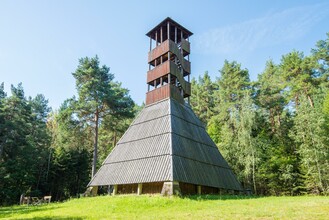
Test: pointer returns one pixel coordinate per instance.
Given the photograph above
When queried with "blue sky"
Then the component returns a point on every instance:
(41, 41)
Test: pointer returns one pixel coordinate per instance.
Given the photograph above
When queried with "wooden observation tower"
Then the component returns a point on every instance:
(169, 63)
(166, 149)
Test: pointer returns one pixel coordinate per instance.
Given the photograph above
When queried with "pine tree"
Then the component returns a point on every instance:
(321, 54)
(70, 154)
(301, 79)
(202, 99)
(269, 96)
(310, 134)
(99, 96)
(2, 120)
(232, 128)
(22, 147)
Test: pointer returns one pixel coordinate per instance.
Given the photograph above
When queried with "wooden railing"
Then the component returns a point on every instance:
(171, 46)
(166, 68)
(163, 92)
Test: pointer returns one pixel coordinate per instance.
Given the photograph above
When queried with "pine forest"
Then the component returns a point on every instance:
(273, 132)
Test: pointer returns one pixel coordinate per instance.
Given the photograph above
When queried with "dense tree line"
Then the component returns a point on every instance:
(45, 152)
(274, 132)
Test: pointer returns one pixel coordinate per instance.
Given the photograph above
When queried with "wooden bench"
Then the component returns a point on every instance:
(47, 199)
(25, 200)
(34, 200)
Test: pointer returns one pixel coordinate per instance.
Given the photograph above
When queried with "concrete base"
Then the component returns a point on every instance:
(139, 189)
(170, 188)
(199, 190)
(115, 190)
(94, 191)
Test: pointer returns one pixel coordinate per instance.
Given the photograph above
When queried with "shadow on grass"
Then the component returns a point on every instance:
(21, 210)
(219, 197)
(7, 212)
(57, 217)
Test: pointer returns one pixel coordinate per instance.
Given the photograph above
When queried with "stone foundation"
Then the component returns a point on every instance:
(170, 188)
(166, 189)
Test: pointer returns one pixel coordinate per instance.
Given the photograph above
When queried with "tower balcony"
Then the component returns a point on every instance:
(166, 68)
(170, 46)
(163, 92)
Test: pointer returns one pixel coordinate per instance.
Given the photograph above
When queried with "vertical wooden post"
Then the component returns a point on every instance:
(150, 43)
(168, 30)
(156, 38)
(176, 35)
(181, 48)
(139, 188)
(199, 189)
(115, 190)
(161, 35)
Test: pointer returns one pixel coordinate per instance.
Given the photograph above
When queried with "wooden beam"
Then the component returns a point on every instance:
(168, 30)
(150, 43)
(161, 35)
(175, 34)
(156, 38)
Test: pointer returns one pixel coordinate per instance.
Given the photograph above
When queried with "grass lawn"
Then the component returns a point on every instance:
(158, 207)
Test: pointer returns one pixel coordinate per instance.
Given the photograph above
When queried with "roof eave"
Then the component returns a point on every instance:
(189, 33)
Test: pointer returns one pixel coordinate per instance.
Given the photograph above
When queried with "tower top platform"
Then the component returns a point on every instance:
(164, 23)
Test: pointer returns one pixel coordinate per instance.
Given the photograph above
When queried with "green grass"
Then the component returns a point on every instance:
(158, 207)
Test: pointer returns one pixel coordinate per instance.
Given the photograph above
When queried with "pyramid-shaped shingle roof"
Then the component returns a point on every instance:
(166, 142)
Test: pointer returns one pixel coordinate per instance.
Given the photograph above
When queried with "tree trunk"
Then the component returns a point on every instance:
(279, 118)
(296, 103)
(1, 150)
(272, 121)
(115, 139)
(317, 165)
(310, 100)
(93, 169)
(253, 173)
(48, 165)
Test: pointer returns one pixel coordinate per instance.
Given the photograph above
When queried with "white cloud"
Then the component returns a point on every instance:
(272, 29)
